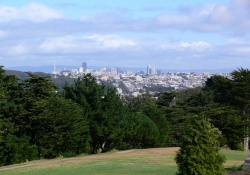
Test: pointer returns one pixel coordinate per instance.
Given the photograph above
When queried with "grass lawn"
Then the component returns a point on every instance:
(157, 161)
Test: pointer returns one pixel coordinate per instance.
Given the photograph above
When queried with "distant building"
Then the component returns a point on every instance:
(159, 72)
(150, 70)
(206, 74)
(120, 71)
(84, 66)
(55, 72)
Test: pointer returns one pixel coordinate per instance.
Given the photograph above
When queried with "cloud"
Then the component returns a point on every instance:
(152, 9)
(40, 34)
(245, 4)
(32, 12)
(231, 18)
(66, 5)
(58, 44)
(198, 46)
(17, 50)
(85, 44)
(111, 41)
(3, 34)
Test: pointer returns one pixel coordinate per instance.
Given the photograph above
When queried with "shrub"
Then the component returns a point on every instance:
(199, 153)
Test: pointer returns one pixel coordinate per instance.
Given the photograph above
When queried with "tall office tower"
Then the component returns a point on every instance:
(84, 66)
(119, 71)
(159, 72)
(108, 69)
(148, 69)
(55, 72)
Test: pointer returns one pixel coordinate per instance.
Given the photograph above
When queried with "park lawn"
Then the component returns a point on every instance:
(157, 161)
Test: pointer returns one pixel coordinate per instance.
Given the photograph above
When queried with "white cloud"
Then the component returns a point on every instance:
(38, 32)
(243, 50)
(17, 50)
(197, 46)
(231, 18)
(3, 34)
(32, 12)
(59, 44)
(173, 20)
(85, 43)
(111, 41)
(241, 4)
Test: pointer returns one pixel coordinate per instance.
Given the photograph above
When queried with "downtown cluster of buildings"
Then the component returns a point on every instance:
(128, 83)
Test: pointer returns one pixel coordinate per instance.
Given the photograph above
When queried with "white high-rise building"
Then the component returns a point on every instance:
(55, 72)
(151, 70)
(84, 66)
(148, 69)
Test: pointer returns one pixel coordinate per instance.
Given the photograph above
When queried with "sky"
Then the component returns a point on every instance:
(166, 34)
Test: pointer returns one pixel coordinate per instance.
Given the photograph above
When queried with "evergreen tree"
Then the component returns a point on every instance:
(65, 128)
(139, 132)
(36, 91)
(103, 109)
(241, 94)
(199, 152)
(14, 148)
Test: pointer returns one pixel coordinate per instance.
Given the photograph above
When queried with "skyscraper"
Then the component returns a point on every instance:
(84, 66)
(148, 69)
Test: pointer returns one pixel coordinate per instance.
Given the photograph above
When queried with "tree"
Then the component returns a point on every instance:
(35, 92)
(199, 152)
(103, 108)
(14, 148)
(241, 91)
(156, 114)
(65, 128)
(228, 120)
(113, 117)
(234, 93)
(139, 132)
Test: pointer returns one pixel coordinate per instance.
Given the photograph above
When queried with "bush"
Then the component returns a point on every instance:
(199, 153)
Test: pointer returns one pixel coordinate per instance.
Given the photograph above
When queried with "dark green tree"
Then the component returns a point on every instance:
(229, 121)
(14, 148)
(103, 109)
(156, 114)
(147, 105)
(36, 90)
(241, 92)
(233, 94)
(139, 132)
(113, 119)
(199, 152)
(65, 128)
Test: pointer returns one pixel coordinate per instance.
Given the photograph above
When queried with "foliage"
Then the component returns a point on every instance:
(37, 121)
(236, 168)
(104, 111)
(199, 152)
(65, 128)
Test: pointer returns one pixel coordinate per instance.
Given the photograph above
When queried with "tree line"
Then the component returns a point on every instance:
(39, 121)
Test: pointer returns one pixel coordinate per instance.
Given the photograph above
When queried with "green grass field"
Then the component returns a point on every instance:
(158, 161)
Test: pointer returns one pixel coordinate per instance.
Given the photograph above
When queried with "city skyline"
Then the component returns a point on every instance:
(166, 34)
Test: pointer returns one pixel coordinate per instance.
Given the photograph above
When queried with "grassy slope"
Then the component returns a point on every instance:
(158, 161)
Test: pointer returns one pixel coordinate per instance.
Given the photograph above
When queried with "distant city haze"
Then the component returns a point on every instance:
(133, 84)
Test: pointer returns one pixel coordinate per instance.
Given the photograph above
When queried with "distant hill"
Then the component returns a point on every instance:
(59, 82)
